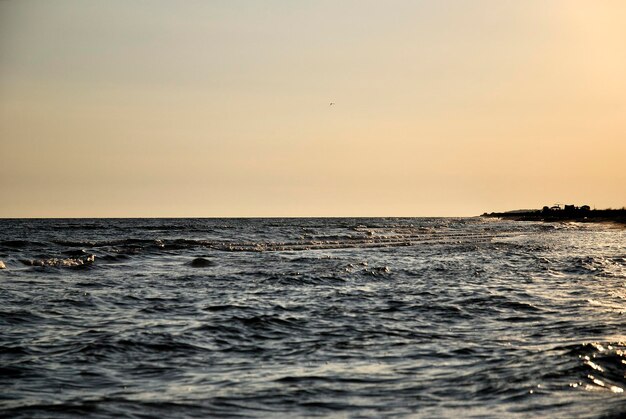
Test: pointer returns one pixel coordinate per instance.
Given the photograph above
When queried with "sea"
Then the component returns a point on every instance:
(311, 317)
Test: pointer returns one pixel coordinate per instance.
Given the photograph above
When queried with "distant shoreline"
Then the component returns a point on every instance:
(582, 216)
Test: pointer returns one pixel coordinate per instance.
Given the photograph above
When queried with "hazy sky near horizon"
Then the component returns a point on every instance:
(221, 108)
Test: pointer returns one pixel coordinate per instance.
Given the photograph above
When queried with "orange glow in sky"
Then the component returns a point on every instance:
(221, 108)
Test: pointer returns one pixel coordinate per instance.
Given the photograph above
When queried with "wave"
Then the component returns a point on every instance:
(60, 263)
(601, 365)
(20, 244)
(596, 265)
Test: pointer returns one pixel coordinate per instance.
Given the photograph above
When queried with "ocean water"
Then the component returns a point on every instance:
(311, 317)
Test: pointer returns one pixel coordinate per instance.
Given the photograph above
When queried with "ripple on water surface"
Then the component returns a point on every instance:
(282, 317)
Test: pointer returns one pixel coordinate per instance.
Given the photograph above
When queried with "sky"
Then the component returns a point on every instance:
(222, 108)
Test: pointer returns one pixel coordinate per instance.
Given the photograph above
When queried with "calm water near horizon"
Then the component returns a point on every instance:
(340, 317)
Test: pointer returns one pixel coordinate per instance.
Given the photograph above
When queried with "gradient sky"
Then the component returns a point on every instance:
(221, 108)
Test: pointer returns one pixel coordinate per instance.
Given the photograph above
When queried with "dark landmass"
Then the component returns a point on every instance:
(565, 213)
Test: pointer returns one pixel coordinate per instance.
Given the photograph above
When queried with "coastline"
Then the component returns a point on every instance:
(615, 217)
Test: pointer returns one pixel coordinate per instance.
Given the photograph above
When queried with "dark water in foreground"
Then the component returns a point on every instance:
(299, 317)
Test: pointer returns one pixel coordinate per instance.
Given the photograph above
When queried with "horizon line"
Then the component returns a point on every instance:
(238, 217)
